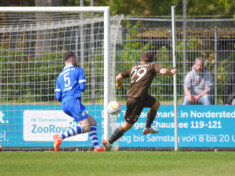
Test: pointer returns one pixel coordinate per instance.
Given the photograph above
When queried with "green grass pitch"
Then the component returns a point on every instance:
(117, 163)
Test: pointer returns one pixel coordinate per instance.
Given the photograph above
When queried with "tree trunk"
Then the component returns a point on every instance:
(48, 2)
(43, 36)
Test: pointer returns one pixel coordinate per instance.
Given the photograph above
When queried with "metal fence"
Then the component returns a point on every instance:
(28, 79)
(211, 39)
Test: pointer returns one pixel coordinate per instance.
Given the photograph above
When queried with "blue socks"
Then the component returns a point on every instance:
(79, 129)
(72, 132)
(94, 136)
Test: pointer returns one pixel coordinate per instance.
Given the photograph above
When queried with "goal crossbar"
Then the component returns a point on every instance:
(55, 9)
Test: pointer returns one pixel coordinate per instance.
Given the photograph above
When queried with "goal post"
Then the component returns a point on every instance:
(61, 33)
(174, 78)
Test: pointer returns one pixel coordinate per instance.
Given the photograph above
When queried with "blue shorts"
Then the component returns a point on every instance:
(75, 109)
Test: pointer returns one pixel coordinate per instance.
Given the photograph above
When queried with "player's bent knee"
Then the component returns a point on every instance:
(86, 128)
(155, 106)
(206, 96)
(85, 125)
(92, 121)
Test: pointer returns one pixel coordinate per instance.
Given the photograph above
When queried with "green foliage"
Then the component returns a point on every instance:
(94, 71)
(28, 78)
(223, 8)
(197, 47)
(149, 8)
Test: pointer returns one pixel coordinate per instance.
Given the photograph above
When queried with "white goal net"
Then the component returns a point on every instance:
(31, 49)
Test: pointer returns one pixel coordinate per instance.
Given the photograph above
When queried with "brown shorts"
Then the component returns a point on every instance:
(135, 106)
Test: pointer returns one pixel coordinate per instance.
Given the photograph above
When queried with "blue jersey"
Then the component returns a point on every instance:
(70, 83)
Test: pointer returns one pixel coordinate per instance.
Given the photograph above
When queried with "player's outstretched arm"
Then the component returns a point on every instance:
(165, 71)
(119, 81)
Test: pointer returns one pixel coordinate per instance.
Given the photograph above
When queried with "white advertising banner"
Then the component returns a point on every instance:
(42, 125)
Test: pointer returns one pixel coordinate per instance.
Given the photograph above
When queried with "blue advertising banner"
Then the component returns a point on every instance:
(199, 126)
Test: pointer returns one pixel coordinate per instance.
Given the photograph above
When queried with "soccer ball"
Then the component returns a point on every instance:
(114, 107)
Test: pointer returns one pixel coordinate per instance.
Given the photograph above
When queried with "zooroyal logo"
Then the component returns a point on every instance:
(42, 125)
(49, 129)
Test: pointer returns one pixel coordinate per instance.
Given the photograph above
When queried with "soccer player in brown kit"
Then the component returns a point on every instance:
(141, 77)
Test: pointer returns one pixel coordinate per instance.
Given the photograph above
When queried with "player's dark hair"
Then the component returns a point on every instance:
(147, 57)
(67, 55)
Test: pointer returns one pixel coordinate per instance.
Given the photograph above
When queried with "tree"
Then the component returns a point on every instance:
(48, 2)
(42, 43)
(223, 8)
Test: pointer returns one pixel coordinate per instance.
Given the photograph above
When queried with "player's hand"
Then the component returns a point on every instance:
(119, 81)
(119, 85)
(197, 97)
(173, 71)
(194, 101)
(190, 98)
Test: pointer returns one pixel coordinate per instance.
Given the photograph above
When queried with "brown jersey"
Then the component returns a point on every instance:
(141, 78)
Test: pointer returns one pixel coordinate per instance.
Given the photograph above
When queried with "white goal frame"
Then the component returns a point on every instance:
(106, 13)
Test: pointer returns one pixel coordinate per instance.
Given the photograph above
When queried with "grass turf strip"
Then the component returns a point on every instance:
(117, 163)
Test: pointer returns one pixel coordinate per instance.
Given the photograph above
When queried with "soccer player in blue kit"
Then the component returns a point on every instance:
(69, 85)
